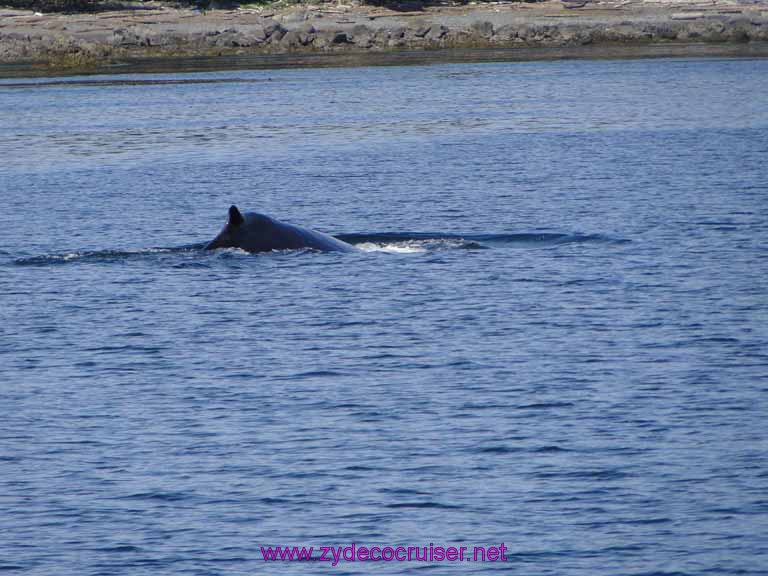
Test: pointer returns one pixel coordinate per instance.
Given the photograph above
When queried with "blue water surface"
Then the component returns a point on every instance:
(554, 337)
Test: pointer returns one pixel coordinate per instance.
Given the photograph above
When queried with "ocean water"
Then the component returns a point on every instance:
(554, 336)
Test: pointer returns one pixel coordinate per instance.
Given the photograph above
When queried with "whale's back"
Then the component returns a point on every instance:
(254, 232)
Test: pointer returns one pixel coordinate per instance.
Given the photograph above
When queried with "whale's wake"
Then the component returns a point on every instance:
(108, 256)
(192, 255)
(415, 242)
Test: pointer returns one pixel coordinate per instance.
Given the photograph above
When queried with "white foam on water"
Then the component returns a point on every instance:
(234, 251)
(398, 248)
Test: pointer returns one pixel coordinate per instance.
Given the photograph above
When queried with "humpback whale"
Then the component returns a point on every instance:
(254, 232)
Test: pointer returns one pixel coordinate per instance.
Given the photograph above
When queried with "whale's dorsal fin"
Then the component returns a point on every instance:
(235, 218)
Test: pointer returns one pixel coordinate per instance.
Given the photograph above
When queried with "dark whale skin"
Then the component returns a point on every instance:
(255, 232)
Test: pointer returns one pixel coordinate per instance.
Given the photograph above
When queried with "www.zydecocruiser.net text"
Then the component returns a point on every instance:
(356, 553)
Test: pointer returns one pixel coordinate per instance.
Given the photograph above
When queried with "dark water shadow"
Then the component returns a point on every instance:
(392, 58)
(79, 83)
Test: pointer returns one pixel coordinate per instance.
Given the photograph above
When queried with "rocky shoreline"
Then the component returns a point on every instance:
(82, 40)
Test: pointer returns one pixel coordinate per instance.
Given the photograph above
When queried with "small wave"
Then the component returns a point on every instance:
(545, 405)
(119, 548)
(409, 491)
(361, 468)
(499, 450)
(163, 496)
(549, 450)
(422, 505)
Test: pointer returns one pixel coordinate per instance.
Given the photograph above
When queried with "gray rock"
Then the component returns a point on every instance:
(362, 36)
(194, 40)
(663, 31)
(484, 29)
(398, 32)
(421, 31)
(258, 35)
(307, 28)
(330, 38)
(159, 40)
(306, 37)
(575, 35)
(128, 38)
(536, 33)
(738, 34)
(277, 35)
(339, 37)
(506, 32)
(436, 32)
(232, 39)
(294, 17)
(291, 39)
(272, 26)
(624, 33)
